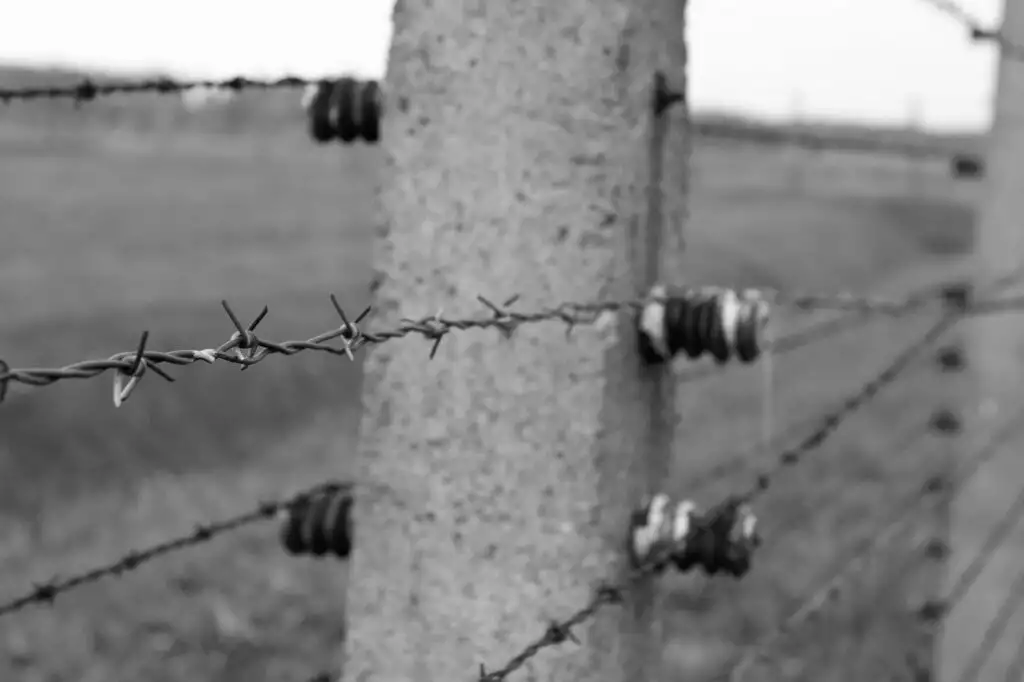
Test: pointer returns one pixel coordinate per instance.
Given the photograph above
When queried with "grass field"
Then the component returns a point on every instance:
(106, 233)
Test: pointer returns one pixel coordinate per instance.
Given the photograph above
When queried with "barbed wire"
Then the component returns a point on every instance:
(897, 307)
(1015, 672)
(969, 576)
(800, 517)
(86, 89)
(841, 568)
(561, 631)
(245, 348)
(853, 402)
(46, 592)
(735, 462)
(433, 329)
(995, 630)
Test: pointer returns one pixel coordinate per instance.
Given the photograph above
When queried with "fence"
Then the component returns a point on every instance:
(665, 533)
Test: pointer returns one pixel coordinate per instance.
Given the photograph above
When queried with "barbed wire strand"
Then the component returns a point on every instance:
(1015, 673)
(130, 366)
(734, 463)
(843, 565)
(995, 630)
(45, 593)
(996, 286)
(854, 402)
(909, 302)
(86, 89)
(801, 517)
(561, 631)
(995, 538)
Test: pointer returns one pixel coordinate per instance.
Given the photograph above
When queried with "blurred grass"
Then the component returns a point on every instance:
(107, 233)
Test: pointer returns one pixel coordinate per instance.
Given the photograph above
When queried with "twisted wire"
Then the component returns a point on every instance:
(815, 333)
(995, 538)
(47, 592)
(995, 630)
(1015, 672)
(130, 366)
(841, 568)
(86, 89)
(831, 422)
(908, 303)
(800, 517)
(561, 631)
(736, 462)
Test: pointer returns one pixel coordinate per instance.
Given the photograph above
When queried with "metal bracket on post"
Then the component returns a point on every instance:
(980, 35)
(957, 297)
(664, 97)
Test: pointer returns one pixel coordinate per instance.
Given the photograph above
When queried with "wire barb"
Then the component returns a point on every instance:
(502, 319)
(127, 376)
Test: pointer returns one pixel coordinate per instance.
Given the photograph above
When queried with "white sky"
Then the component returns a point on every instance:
(880, 60)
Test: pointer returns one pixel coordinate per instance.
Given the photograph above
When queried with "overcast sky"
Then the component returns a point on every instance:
(880, 60)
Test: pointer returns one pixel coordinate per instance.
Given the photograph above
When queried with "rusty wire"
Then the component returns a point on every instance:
(87, 90)
(245, 348)
(46, 592)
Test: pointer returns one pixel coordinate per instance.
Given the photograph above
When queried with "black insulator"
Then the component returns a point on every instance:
(347, 109)
(321, 120)
(320, 524)
(372, 110)
(676, 311)
(951, 358)
(721, 541)
(945, 420)
(690, 328)
(747, 342)
(718, 322)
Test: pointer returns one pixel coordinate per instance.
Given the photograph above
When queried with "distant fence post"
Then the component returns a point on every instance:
(931, 583)
(994, 357)
(495, 482)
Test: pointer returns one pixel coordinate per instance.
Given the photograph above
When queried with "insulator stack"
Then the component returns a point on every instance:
(723, 323)
(319, 524)
(347, 110)
(722, 540)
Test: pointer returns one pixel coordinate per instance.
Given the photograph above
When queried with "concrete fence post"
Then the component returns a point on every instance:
(522, 155)
(995, 395)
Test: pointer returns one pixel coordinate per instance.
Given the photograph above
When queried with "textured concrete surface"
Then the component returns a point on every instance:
(996, 356)
(497, 480)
